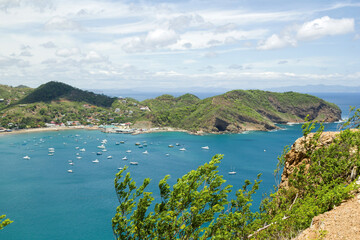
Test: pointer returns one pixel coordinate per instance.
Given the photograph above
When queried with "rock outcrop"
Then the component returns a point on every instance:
(297, 154)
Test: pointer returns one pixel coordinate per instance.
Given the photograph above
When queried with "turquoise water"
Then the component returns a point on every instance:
(47, 202)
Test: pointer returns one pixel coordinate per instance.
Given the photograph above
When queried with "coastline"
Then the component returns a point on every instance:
(49, 129)
(139, 131)
(136, 131)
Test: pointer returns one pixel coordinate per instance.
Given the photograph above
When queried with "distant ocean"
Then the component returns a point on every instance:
(47, 202)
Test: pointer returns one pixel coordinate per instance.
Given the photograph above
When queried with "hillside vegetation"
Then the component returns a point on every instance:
(9, 95)
(234, 111)
(319, 172)
(238, 110)
(53, 91)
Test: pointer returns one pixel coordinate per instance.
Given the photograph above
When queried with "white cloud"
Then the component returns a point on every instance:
(49, 61)
(206, 39)
(93, 57)
(226, 27)
(62, 24)
(26, 54)
(7, 4)
(48, 44)
(155, 39)
(161, 37)
(211, 55)
(311, 30)
(13, 62)
(67, 52)
(182, 22)
(325, 26)
(275, 42)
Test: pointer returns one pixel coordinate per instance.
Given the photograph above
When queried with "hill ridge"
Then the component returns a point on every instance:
(53, 91)
(232, 112)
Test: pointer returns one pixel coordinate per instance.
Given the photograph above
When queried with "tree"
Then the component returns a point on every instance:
(4, 222)
(197, 207)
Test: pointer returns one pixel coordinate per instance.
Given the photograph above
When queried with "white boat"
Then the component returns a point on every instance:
(171, 146)
(79, 157)
(137, 143)
(82, 150)
(27, 157)
(76, 148)
(122, 142)
(128, 151)
(99, 153)
(51, 150)
(70, 171)
(104, 150)
(206, 147)
(182, 149)
(104, 141)
(125, 158)
(71, 163)
(146, 152)
(177, 144)
(51, 154)
(167, 154)
(95, 161)
(77, 154)
(120, 168)
(101, 146)
(109, 157)
(117, 143)
(232, 172)
(134, 163)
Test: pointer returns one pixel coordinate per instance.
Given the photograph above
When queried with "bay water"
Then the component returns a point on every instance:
(47, 202)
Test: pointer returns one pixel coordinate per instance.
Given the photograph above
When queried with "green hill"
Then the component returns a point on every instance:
(53, 91)
(238, 110)
(234, 111)
(10, 95)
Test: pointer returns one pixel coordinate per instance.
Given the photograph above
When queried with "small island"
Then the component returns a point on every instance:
(57, 104)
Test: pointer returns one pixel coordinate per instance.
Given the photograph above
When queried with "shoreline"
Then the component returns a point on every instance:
(138, 131)
(48, 129)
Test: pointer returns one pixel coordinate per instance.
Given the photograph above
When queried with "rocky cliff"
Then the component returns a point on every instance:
(297, 154)
(343, 221)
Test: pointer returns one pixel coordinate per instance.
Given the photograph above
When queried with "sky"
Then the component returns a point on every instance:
(193, 45)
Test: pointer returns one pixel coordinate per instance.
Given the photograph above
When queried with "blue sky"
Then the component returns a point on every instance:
(179, 45)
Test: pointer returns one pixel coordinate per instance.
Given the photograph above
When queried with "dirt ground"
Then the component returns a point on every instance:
(343, 222)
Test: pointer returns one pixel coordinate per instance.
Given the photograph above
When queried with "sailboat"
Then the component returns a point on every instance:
(232, 172)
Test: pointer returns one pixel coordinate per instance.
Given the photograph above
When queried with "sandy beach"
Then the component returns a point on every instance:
(49, 129)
